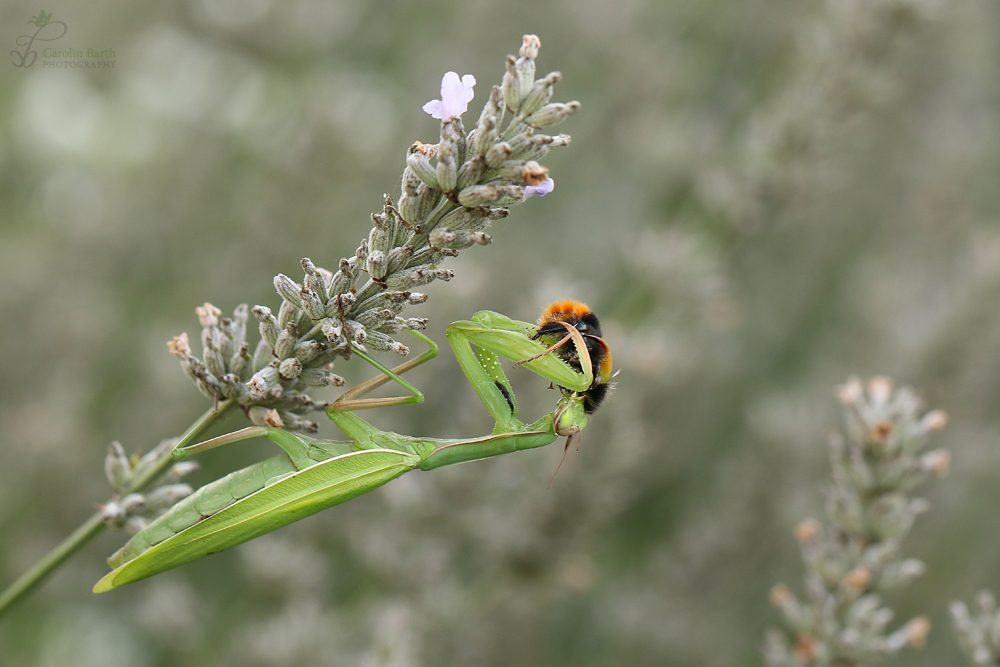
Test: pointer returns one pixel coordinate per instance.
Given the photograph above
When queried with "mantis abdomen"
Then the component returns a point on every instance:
(285, 497)
(203, 503)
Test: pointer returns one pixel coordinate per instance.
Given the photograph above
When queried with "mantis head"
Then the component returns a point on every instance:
(570, 416)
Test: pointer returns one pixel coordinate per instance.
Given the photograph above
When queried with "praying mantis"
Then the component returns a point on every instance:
(312, 475)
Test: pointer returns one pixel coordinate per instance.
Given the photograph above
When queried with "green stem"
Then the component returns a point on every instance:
(95, 524)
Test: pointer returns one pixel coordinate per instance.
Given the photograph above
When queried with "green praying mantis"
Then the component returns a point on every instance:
(312, 475)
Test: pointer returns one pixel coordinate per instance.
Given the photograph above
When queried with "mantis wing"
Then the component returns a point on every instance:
(289, 499)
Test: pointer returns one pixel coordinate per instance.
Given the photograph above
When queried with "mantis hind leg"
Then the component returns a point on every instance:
(349, 400)
(340, 411)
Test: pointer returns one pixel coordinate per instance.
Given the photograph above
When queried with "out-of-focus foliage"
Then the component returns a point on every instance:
(760, 199)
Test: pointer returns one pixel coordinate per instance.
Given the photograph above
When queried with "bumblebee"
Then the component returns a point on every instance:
(552, 329)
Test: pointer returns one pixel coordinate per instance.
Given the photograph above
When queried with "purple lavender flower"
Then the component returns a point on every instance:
(541, 190)
(455, 96)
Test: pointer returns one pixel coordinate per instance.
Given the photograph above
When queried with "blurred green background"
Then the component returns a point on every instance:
(761, 198)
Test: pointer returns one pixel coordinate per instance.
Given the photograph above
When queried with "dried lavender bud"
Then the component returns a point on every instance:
(208, 315)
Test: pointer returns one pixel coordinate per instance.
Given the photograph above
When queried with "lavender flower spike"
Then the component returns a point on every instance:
(455, 97)
(541, 190)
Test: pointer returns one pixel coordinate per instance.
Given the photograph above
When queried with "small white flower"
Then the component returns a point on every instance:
(455, 96)
(540, 190)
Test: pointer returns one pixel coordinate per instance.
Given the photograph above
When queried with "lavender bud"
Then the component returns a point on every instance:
(290, 368)
(441, 237)
(180, 347)
(344, 279)
(397, 258)
(345, 301)
(330, 329)
(498, 154)
(320, 377)
(410, 183)
(409, 208)
(378, 264)
(447, 163)
(381, 342)
(380, 237)
(177, 471)
(540, 93)
(550, 114)
(428, 198)
(113, 514)
(489, 121)
(287, 313)
(307, 350)
(375, 317)
(288, 289)
(356, 332)
(268, 325)
(261, 356)
(285, 344)
(117, 467)
(420, 165)
(511, 89)
(238, 327)
(312, 306)
(314, 280)
(524, 76)
(134, 503)
(240, 361)
(478, 195)
(165, 497)
(214, 361)
(417, 297)
(470, 172)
